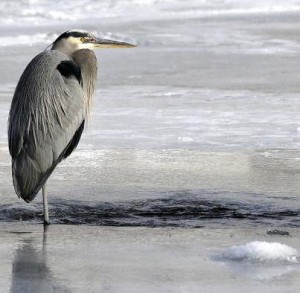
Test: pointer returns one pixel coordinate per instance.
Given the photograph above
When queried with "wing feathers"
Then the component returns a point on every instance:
(68, 68)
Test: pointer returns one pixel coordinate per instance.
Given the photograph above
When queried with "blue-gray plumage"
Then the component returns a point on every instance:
(51, 103)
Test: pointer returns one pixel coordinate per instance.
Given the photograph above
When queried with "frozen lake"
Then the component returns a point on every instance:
(192, 149)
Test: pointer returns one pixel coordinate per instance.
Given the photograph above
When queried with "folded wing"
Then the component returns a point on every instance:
(46, 120)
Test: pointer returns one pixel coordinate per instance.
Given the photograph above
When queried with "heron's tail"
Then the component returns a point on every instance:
(27, 177)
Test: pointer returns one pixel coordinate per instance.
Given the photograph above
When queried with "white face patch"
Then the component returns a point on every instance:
(76, 42)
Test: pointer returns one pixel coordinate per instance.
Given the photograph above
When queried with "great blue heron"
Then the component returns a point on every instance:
(51, 103)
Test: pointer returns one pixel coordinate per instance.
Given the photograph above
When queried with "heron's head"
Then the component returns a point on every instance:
(73, 40)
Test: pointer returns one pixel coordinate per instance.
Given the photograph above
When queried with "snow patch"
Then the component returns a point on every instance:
(261, 252)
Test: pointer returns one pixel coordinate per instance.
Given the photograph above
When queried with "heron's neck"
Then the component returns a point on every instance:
(87, 62)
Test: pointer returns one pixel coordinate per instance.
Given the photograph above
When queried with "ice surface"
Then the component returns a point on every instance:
(38, 12)
(121, 259)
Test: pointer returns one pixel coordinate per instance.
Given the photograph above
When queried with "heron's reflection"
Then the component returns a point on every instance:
(30, 272)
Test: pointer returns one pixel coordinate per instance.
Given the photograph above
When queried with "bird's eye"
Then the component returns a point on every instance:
(82, 39)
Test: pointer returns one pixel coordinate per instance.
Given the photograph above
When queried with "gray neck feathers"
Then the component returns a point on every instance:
(87, 62)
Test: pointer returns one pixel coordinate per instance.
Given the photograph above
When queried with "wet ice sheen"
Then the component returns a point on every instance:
(177, 209)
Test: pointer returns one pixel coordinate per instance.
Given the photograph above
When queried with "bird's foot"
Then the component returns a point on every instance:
(46, 223)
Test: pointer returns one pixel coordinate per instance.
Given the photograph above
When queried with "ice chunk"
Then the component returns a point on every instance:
(261, 252)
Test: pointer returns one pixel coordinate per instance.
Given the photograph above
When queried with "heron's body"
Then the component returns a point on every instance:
(46, 122)
(49, 108)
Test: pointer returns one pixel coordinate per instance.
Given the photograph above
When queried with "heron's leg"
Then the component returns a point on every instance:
(45, 206)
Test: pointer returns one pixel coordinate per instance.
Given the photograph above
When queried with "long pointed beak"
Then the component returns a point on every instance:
(104, 43)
